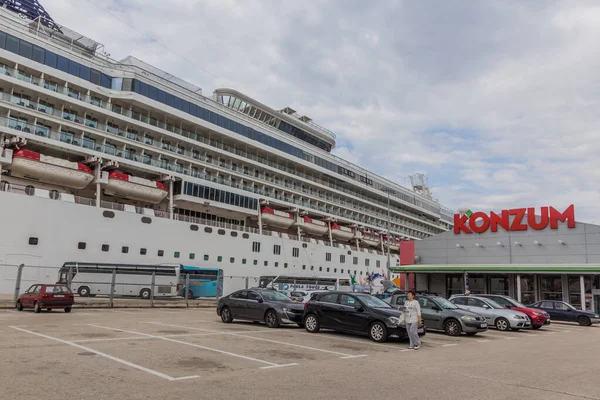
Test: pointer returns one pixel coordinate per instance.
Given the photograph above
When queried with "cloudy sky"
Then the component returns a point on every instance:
(495, 101)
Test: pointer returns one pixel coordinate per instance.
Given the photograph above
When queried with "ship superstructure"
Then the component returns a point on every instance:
(85, 135)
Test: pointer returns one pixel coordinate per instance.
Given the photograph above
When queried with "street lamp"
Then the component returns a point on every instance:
(389, 271)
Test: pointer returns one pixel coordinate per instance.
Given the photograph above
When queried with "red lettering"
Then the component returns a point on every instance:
(459, 224)
(473, 222)
(502, 221)
(533, 223)
(567, 215)
(517, 225)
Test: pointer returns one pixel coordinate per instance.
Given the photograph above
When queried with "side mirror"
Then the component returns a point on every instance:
(260, 300)
(358, 307)
(486, 306)
(509, 307)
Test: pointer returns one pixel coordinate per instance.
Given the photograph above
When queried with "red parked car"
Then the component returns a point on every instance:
(46, 296)
(538, 317)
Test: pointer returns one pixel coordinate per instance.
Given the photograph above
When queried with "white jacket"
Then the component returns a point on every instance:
(413, 311)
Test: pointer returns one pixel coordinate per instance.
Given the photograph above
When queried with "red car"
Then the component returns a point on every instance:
(538, 317)
(46, 296)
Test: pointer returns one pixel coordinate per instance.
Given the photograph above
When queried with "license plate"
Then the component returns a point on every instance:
(59, 295)
(484, 325)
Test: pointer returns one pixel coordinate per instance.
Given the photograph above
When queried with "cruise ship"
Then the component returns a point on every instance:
(119, 162)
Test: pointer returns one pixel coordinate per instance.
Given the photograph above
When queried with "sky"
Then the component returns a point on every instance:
(496, 102)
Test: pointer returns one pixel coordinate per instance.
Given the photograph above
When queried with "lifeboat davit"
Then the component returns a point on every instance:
(313, 226)
(31, 165)
(370, 239)
(134, 188)
(279, 219)
(342, 233)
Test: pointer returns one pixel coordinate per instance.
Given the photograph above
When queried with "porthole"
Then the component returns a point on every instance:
(29, 190)
(125, 249)
(143, 252)
(146, 220)
(208, 230)
(245, 236)
(221, 231)
(33, 241)
(304, 245)
(194, 228)
(108, 214)
(349, 252)
(161, 253)
(54, 195)
(81, 245)
(105, 247)
(233, 234)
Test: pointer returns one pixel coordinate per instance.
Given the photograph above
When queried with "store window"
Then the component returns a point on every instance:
(551, 287)
(527, 289)
(575, 291)
(499, 285)
(455, 284)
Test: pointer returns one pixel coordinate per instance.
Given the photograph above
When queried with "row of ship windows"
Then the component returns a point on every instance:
(192, 256)
(43, 56)
(222, 196)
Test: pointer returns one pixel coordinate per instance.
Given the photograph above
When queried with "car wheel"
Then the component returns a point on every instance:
(378, 332)
(584, 321)
(271, 319)
(145, 294)
(226, 315)
(311, 324)
(452, 327)
(19, 305)
(36, 307)
(502, 324)
(67, 309)
(84, 291)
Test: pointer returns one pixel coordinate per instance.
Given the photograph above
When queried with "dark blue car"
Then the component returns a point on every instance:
(563, 311)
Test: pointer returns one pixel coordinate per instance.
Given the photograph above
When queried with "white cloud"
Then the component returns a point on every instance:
(496, 101)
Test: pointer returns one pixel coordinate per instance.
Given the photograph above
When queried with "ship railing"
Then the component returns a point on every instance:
(91, 122)
(110, 149)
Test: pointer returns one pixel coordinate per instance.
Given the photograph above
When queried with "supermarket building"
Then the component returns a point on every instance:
(529, 254)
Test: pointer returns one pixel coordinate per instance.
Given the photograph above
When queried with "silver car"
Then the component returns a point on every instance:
(496, 315)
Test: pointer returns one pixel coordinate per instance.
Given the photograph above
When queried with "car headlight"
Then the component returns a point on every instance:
(468, 318)
(519, 317)
(596, 316)
(394, 320)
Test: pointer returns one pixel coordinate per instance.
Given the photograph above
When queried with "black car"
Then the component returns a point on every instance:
(270, 306)
(563, 311)
(357, 313)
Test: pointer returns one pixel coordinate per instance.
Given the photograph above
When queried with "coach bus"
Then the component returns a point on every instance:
(91, 279)
(203, 282)
(305, 283)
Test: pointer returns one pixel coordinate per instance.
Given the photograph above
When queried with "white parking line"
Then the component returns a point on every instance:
(344, 355)
(272, 365)
(119, 360)
(332, 337)
(449, 345)
(149, 338)
(482, 341)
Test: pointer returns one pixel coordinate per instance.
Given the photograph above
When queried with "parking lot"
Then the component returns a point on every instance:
(190, 353)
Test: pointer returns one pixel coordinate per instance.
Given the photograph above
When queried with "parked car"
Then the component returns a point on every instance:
(440, 314)
(500, 317)
(46, 296)
(298, 295)
(537, 317)
(270, 306)
(356, 313)
(563, 311)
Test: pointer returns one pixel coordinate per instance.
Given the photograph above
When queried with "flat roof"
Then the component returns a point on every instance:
(503, 268)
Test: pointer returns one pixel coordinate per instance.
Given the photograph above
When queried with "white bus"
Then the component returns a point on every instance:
(287, 283)
(91, 279)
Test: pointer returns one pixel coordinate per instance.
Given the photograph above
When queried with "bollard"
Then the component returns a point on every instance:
(18, 283)
(152, 289)
(112, 286)
(187, 285)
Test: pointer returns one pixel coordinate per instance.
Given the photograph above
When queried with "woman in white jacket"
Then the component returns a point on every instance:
(412, 310)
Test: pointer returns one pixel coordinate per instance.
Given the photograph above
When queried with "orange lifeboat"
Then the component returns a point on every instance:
(279, 219)
(134, 188)
(31, 165)
(313, 226)
(371, 238)
(341, 233)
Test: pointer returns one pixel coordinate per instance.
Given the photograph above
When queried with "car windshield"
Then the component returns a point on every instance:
(445, 304)
(493, 304)
(274, 296)
(57, 289)
(372, 301)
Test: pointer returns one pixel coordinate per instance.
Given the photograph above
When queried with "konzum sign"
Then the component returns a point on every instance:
(522, 220)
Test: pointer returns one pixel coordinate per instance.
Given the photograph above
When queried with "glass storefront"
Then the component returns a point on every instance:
(477, 284)
(527, 289)
(454, 284)
(575, 291)
(499, 285)
(551, 287)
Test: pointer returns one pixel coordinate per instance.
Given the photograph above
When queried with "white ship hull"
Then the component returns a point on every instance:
(61, 225)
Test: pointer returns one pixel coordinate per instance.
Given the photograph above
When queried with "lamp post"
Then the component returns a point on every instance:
(389, 271)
